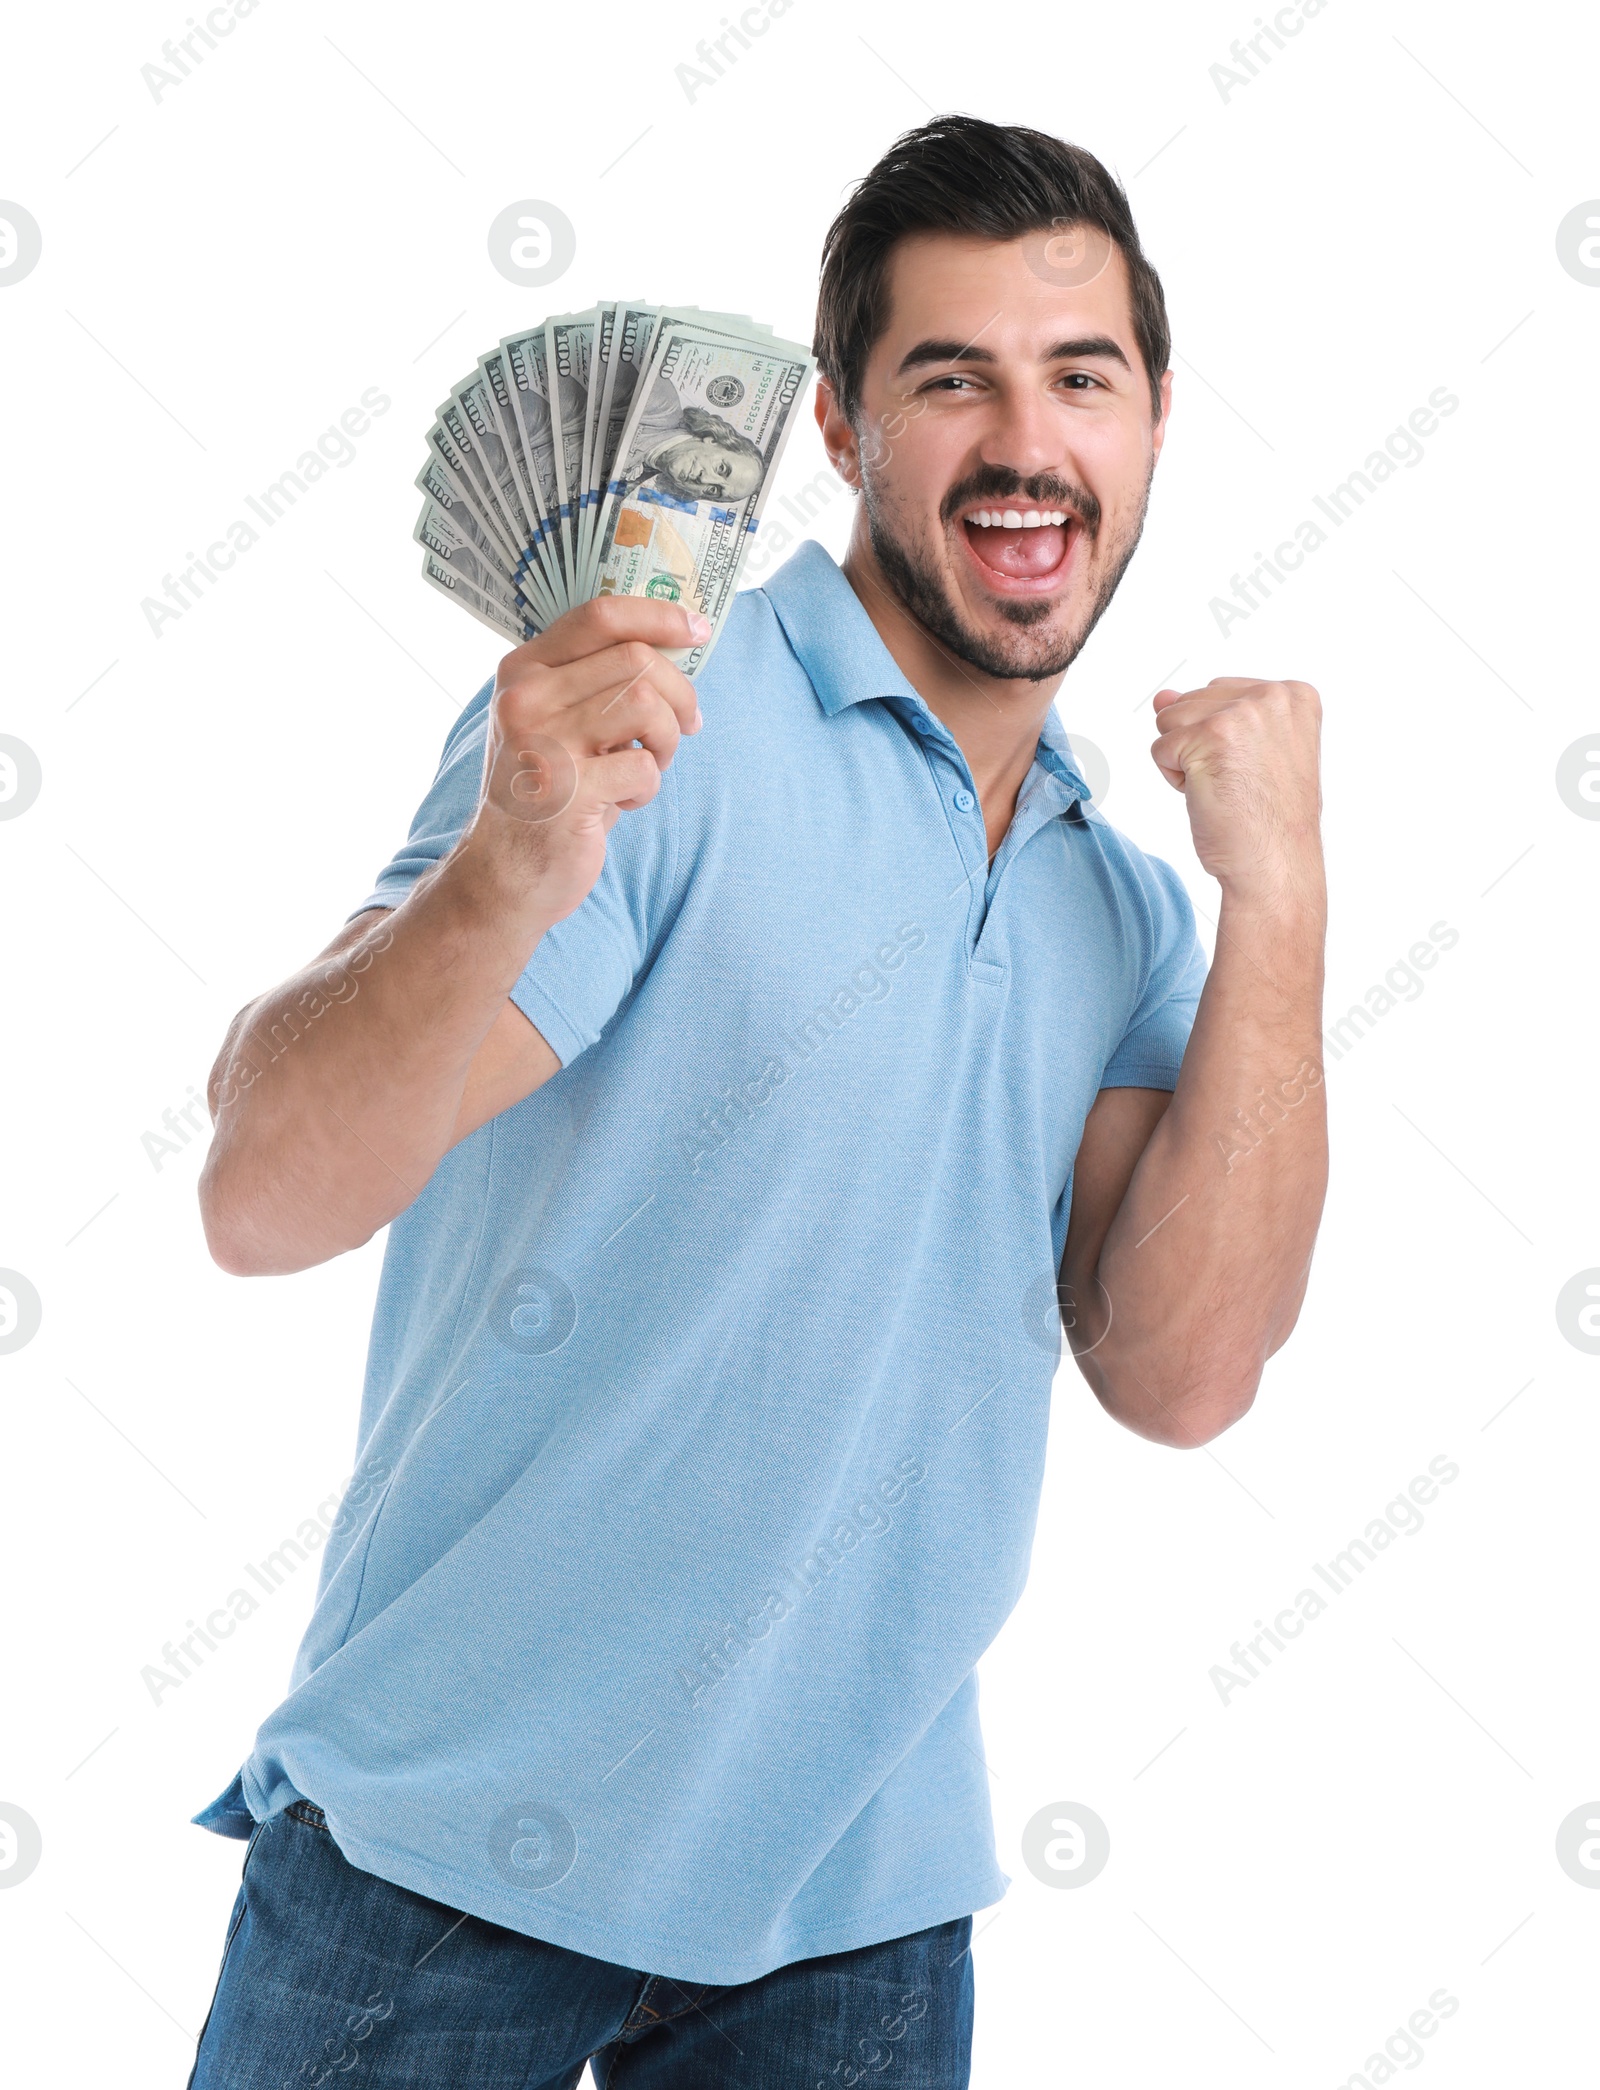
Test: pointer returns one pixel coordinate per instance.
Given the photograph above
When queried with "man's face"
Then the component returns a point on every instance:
(701, 461)
(1003, 387)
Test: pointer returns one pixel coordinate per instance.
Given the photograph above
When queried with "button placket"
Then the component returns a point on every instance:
(1037, 805)
(942, 755)
(1043, 798)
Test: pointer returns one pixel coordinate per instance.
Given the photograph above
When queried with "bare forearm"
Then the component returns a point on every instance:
(1202, 1272)
(336, 1095)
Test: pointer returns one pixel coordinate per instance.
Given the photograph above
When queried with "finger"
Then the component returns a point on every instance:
(611, 620)
(652, 682)
(609, 675)
(1221, 689)
(1181, 712)
(624, 780)
(1169, 751)
(638, 712)
(612, 674)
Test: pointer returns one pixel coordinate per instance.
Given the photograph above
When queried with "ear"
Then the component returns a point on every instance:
(1160, 435)
(838, 437)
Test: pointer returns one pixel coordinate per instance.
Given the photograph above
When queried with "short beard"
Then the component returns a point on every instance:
(923, 596)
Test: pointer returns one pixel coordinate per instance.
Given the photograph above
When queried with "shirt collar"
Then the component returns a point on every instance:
(1055, 755)
(837, 644)
(834, 639)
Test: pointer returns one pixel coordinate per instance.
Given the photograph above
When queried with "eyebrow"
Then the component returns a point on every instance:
(952, 351)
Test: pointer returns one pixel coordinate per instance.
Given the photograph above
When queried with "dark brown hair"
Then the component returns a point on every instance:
(960, 174)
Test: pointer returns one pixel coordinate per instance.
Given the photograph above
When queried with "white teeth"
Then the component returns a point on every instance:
(1011, 519)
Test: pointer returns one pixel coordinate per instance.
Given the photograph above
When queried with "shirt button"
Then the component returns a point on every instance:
(964, 801)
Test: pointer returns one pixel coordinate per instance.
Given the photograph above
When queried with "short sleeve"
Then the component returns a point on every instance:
(1151, 1048)
(585, 966)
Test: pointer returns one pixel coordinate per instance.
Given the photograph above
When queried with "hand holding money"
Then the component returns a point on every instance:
(623, 451)
(583, 720)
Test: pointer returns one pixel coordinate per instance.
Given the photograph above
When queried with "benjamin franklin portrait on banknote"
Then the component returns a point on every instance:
(689, 453)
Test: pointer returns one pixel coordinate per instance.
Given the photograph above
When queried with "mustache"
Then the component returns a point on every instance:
(1044, 490)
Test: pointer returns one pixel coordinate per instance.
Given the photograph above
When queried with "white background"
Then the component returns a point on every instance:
(1370, 218)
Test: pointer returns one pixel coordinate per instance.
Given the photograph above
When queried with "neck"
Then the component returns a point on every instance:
(994, 719)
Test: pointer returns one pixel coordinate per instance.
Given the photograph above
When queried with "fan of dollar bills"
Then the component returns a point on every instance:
(622, 451)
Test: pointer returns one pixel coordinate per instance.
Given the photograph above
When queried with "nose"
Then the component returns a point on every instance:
(1024, 433)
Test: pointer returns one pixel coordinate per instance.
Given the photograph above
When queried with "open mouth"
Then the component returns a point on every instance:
(1021, 550)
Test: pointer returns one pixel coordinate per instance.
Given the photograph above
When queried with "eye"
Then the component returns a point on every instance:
(1083, 378)
(951, 383)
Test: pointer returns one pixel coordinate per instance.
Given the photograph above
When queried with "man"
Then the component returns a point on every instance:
(736, 1091)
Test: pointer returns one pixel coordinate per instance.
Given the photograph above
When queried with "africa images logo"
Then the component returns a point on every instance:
(532, 1845)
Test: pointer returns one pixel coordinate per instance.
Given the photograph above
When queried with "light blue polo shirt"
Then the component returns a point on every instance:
(705, 1411)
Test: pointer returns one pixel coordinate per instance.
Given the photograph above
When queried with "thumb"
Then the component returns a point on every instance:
(1164, 750)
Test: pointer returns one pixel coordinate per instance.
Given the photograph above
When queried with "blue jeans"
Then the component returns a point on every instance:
(331, 1976)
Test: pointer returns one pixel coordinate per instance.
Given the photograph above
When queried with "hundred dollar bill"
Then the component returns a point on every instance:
(622, 351)
(453, 478)
(447, 505)
(444, 535)
(569, 341)
(709, 421)
(600, 379)
(496, 444)
(519, 489)
(454, 444)
(448, 468)
(492, 369)
(444, 492)
(449, 582)
(530, 399)
(476, 407)
(621, 357)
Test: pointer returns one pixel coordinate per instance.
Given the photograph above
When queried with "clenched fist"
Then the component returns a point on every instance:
(1244, 755)
(583, 721)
